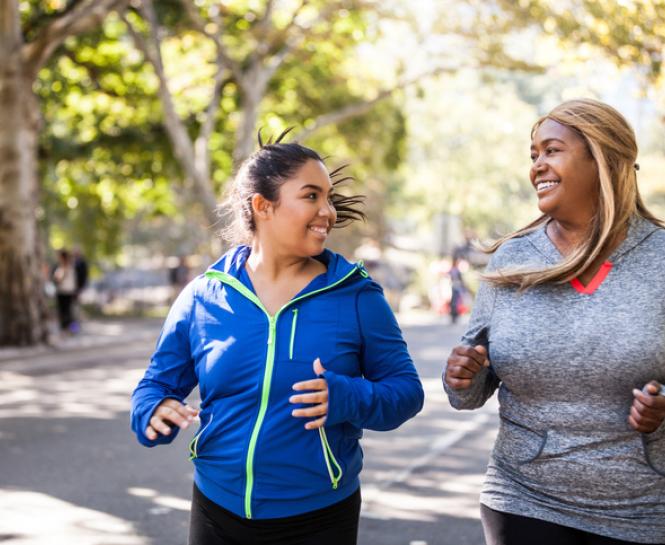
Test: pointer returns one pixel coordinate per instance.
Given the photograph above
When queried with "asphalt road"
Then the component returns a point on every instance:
(72, 473)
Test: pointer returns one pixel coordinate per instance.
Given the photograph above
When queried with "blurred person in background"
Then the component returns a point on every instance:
(178, 277)
(569, 326)
(458, 289)
(64, 279)
(295, 351)
(81, 273)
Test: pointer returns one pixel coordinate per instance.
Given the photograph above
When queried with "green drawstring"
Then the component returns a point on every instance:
(328, 456)
(361, 269)
(293, 331)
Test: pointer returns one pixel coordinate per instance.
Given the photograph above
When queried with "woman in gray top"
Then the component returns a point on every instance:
(569, 325)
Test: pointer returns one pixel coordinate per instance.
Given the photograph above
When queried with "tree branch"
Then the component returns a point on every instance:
(81, 18)
(183, 147)
(224, 59)
(359, 108)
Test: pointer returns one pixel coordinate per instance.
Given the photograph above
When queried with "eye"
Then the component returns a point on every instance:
(550, 150)
(534, 156)
(312, 196)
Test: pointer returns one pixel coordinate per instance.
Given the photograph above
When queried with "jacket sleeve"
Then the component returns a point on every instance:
(389, 392)
(485, 382)
(171, 370)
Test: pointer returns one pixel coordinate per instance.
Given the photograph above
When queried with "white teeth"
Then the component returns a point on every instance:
(320, 230)
(541, 186)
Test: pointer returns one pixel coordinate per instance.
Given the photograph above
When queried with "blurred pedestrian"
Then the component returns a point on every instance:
(64, 278)
(295, 351)
(81, 273)
(569, 326)
(178, 277)
(458, 290)
(81, 270)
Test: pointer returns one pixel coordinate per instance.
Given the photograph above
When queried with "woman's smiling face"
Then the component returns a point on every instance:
(304, 215)
(563, 173)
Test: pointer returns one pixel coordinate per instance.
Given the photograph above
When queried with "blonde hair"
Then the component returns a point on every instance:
(611, 141)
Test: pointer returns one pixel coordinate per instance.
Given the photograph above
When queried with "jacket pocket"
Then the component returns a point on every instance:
(335, 471)
(197, 441)
(517, 443)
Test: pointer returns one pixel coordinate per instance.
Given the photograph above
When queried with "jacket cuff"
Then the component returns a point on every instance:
(339, 400)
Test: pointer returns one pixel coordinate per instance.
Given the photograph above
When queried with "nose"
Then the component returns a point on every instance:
(327, 209)
(329, 212)
(538, 165)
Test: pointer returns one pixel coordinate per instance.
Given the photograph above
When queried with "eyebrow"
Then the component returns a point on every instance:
(314, 187)
(548, 140)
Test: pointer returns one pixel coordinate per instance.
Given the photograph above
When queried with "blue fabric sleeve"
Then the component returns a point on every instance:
(389, 392)
(171, 370)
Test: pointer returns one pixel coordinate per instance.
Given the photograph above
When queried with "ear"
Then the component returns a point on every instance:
(261, 207)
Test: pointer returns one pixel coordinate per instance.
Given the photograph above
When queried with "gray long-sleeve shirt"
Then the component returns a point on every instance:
(565, 364)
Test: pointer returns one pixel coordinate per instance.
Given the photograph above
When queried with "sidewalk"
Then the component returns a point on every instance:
(95, 333)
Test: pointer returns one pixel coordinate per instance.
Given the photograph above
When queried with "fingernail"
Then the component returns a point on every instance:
(636, 391)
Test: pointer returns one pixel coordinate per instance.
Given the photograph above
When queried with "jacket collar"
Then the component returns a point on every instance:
(233, 261)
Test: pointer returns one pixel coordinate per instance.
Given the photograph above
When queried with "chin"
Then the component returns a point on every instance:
(546, 207)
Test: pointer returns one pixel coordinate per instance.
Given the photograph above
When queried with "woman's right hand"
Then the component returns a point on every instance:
(169, 413)
(464, 363)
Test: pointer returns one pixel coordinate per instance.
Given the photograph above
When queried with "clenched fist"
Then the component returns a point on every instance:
(169, 413)
(464, 363)
(648, 409)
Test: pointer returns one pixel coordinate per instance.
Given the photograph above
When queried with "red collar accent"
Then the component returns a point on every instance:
(596, 281)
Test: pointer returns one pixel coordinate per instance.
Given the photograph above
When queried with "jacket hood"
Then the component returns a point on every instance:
(338, 267)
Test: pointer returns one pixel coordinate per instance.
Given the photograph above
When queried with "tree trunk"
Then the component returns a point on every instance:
(22, 302)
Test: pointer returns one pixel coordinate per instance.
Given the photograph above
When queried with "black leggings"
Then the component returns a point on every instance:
(336, 524)
(507, 529)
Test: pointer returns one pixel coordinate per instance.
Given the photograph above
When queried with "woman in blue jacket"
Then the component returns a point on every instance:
(295, 350)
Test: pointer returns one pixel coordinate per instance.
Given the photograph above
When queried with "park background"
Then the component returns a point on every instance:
(121, 124)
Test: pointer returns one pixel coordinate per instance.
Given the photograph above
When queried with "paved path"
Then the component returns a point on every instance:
(71, 472)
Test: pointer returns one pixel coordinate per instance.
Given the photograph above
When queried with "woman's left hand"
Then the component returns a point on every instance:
(319, 397)
(648, 410)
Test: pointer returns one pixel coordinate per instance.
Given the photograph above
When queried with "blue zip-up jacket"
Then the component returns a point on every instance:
(251, 455)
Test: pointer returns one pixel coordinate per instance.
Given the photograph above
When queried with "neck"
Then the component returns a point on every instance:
(270, 263)
(568, 235)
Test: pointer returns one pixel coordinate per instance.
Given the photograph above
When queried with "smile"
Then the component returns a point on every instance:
(323, 231)
(546, 185)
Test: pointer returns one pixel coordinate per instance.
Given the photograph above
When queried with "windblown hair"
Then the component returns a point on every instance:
(264, 172)
(611, 142)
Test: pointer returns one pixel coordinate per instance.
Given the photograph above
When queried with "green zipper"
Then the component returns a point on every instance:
(328, 456)
(293, 332)
(194, 443)
(270, 362)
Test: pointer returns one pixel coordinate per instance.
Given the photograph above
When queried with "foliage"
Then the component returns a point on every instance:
(630, 32)
(105, 157)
